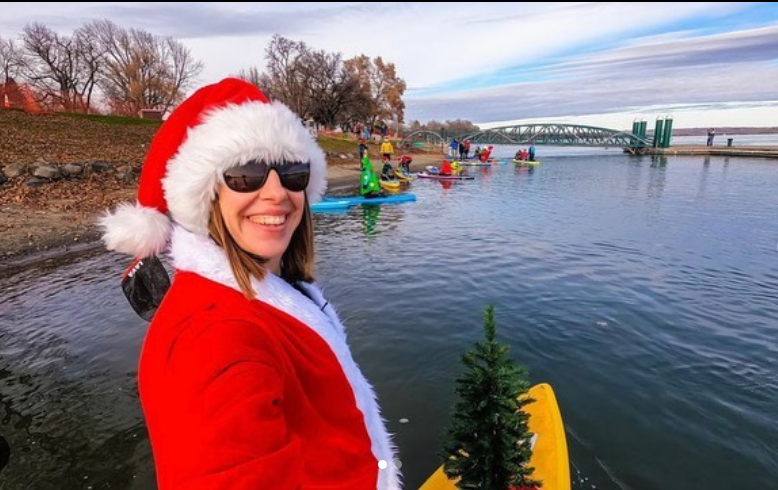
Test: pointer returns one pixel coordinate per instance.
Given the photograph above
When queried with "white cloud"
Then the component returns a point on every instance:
(483, 62)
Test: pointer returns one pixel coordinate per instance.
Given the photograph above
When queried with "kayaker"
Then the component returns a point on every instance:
(246, 379)
(387, 171)
(485, 153)
(445, 168)
(405, 164)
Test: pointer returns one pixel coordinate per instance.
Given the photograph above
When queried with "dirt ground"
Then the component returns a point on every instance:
(58, 218)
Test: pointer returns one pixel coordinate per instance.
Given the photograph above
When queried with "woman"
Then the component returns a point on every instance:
(245, 377)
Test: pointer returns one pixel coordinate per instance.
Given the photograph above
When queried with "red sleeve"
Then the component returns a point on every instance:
(230, 431)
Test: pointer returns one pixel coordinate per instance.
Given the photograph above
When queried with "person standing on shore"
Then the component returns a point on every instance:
(246, 379)
(387, 150)
(711, 135)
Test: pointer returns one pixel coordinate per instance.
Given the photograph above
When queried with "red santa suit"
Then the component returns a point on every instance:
(260, 394)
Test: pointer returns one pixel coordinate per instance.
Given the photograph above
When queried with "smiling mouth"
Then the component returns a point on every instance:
(268, 220)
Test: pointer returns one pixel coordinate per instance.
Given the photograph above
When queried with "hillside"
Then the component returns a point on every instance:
(59, 138)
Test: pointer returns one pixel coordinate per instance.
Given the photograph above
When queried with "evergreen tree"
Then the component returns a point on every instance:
(488, 444)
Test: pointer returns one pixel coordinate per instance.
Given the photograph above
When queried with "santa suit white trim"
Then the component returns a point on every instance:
(200, 255)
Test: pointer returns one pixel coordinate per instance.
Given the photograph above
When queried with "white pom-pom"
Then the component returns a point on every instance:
(135, 230)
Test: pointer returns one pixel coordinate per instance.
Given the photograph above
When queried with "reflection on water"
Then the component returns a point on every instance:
(68, 401)
(643, 289)
(658, 161)
(370, 218)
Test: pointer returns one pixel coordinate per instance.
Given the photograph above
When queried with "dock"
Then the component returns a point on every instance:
(727, 151)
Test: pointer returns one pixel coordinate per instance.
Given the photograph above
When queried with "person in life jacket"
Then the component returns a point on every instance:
(387, 150)
(369, 185)
(405, 164)
(445, 168)
(387, 171)
(486, 153)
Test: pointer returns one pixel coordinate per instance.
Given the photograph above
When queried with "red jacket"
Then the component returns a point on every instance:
(260, 394)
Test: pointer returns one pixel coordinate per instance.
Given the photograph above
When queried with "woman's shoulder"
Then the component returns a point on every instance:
(208, 338)
(198, 310)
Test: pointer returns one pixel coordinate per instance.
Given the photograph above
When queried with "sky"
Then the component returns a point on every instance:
(605, 64)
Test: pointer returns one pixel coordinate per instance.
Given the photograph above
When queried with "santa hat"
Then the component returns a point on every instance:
(220, 126)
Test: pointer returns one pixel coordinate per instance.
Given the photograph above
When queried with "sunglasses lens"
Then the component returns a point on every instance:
(294, 176)
(246, 178)
(252, 176)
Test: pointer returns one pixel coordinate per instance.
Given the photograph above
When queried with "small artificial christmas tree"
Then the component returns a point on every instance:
(488, 444)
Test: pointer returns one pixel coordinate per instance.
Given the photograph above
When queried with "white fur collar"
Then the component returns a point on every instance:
(196, 253)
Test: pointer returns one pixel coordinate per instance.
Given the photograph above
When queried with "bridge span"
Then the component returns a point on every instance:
(549, 134)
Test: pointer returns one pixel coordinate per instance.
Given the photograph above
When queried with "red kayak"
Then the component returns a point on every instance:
(425, 175)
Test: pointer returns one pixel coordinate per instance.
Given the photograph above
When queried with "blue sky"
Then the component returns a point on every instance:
(706, 64)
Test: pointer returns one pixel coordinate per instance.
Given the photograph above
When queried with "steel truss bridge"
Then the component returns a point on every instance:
(540, 134)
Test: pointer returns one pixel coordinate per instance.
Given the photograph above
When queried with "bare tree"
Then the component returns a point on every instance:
(336, 95)
(62, 69)
(392, 87)
(287, 78)
(142, 71)
(460, 127)
(382, 86)
(321, 86)
(91, 64)
(10, 61)
(251, 75)
(457, 127)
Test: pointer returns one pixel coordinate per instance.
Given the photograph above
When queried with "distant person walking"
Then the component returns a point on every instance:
(711, 135)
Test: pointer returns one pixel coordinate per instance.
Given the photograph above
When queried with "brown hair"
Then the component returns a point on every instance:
(296, 263)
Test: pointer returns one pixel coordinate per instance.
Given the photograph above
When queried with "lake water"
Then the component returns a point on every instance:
(643, 289)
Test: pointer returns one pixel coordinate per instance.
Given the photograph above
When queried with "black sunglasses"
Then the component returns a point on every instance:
(252, 176)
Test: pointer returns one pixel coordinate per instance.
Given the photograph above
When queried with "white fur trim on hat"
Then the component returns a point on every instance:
(231, 136)
(135, 230)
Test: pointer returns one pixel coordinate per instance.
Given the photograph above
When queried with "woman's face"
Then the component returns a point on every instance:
(262, 222)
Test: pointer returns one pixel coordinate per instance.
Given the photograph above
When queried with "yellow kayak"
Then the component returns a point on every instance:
(390, 185)
(526, 163)
(549, 452)
(402, 176)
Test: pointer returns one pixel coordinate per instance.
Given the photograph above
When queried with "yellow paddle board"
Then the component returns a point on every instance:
(549, 453)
